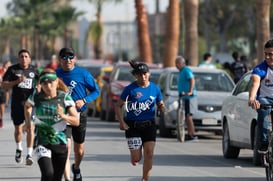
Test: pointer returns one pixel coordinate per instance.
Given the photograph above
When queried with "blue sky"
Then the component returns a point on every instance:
(124, 11)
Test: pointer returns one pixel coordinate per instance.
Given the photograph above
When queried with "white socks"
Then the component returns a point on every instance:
(19, 146)
(29, 151)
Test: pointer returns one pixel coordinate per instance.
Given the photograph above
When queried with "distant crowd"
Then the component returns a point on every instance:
(236, 69)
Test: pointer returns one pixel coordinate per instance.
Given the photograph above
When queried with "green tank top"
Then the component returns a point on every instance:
(49, 127)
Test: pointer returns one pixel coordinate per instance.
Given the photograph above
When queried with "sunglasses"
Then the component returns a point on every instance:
(70, 57)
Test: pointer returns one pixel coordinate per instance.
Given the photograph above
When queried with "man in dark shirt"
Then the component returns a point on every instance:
(21, 78)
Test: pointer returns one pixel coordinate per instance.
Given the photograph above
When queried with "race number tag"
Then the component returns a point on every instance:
(26, 84)
(42, 151)
(134, 143)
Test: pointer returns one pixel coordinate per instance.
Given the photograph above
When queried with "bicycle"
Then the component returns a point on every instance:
(267, 156)
(180, 122)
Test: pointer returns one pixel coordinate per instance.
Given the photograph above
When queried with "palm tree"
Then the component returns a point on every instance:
(262, 28)
(191, 31)
(64, 16)
(172, 33)
(95, 30)
(144, 44)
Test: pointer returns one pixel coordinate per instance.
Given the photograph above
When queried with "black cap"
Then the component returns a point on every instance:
(65, 51)
(141, 68)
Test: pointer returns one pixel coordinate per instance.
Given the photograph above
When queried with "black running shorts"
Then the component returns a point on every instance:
(78, 132)
(17, 114)
(146, 130)
(3, 96)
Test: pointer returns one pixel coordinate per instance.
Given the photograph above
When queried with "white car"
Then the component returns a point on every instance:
(213, 86)
(239, 122)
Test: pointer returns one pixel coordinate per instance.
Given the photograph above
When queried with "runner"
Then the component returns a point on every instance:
(83, 90)
(4, 93)
(54, 108)
(140, 99)
(21, 78)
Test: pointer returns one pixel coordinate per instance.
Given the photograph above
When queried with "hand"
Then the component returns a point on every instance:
(21, 79)
(27, 128)
(60, 110)
(123, 125)
(161, 107)
(79, 103)
(182, 94)
(254, 104)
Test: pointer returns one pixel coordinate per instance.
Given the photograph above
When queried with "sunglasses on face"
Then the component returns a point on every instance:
(70, 57)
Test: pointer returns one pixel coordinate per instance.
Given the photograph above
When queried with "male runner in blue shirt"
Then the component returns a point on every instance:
(83, 89)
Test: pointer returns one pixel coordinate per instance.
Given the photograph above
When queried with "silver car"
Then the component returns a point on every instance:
(213, 86)
(239, 122)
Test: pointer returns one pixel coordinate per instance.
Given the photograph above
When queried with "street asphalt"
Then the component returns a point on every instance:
(107, 158)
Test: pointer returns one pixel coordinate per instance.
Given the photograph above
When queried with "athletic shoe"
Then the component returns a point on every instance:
(191, 138)
(77, 173)
(18, 156)
(263, 148)
(1, 123)
(29, 160)
(134, 163)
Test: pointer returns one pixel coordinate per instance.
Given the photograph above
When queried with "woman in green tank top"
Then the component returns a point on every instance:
(51, 109)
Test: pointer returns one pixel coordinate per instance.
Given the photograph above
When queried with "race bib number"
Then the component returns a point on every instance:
(26, 84)
(42, 151)
(134, 143)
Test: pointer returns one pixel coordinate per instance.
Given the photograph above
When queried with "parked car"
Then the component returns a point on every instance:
(120, 77)
(239, 122)
(155, 74)
(213, 85)
(98, 69)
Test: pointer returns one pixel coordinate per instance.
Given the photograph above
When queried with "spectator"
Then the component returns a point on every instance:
(186, 84)
(237, 67)
(206, 63)
(53, 64)
(244, 61)
(227, 68)
(218, 64)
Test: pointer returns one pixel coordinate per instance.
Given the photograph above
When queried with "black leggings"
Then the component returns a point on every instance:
(52, 169)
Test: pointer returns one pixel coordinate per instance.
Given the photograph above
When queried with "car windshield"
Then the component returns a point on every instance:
(124, 74)
(95, 71)
(206, 82)
(154, 77)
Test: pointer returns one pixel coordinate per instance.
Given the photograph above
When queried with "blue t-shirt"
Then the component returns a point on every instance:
(80, 83)
(140, 102)
(184, 76)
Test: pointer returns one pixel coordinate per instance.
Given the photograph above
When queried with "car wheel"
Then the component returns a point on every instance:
(163, 131)
(229, 151)
(257, 160)
(102, 115)
(218, 133)
(90, 112)
(110, 116)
